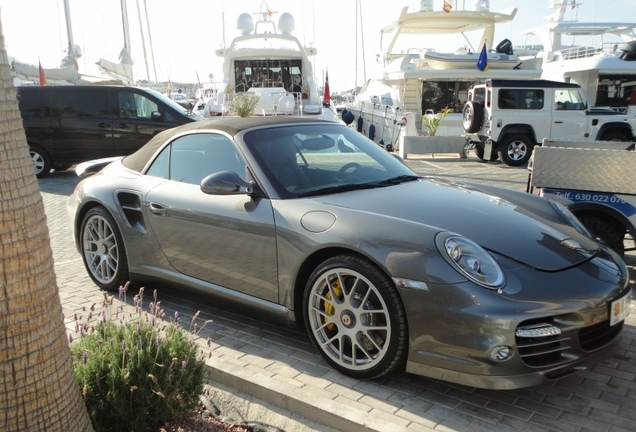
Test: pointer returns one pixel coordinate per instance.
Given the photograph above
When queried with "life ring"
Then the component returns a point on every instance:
(472, 117)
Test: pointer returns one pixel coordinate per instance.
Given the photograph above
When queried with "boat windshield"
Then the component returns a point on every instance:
(268, 73)
(323, 158)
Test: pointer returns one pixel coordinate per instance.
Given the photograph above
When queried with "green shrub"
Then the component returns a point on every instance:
(243, 105)
(136, 370)
(431, 121)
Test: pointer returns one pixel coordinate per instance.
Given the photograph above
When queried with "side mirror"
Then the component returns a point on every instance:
(156, 115)
(225, 183)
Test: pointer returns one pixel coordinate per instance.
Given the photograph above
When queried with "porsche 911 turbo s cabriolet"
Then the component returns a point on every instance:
(313, 224)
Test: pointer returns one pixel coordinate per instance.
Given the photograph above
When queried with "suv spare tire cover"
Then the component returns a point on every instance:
(473, 116)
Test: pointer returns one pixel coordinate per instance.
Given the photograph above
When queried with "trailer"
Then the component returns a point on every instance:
(595, 180)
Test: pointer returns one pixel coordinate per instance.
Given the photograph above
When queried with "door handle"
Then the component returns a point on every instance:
(122, 125)
(158, 209)
(558, 122)
(103, 125)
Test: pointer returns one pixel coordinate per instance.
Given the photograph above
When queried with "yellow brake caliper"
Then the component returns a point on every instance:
(329, 309)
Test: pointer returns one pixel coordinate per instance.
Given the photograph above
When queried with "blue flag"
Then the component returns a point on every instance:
(482, 63)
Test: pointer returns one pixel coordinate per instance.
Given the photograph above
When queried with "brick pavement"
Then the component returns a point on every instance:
(279, 365)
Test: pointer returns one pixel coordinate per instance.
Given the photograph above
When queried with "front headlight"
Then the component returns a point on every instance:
(472, 261)
(570, 218)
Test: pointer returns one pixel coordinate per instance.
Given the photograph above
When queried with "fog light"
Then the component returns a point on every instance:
(501, 353)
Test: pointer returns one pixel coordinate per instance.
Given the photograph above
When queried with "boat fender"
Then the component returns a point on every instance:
(360, 124)
(372, 132)
(347, 117)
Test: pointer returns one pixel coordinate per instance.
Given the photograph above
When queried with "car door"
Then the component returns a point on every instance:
(137, 120)
(569, 119)
(82, 125)
(226, 240)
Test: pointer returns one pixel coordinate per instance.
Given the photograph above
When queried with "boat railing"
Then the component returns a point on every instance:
(578, 52)
(271, 104)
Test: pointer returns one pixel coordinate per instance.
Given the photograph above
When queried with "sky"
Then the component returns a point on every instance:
(185, 33)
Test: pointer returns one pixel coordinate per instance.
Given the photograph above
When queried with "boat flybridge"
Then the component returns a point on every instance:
(599, 56)
(267, 61)
(420, 77)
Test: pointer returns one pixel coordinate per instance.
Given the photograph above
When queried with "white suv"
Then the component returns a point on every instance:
(505, 119)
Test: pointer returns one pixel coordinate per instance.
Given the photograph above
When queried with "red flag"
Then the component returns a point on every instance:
(327, 96)
(447, 7)
(42, 75)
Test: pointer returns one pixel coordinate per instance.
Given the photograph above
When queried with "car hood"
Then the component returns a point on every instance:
(529, 232)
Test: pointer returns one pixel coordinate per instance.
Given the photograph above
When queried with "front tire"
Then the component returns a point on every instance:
(609, 233)
(103, 250)
(515, 150)
(41, 162)
(614, 136)
(355, 317)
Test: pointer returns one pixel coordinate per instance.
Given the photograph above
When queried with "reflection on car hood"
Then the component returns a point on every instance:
(495, 223)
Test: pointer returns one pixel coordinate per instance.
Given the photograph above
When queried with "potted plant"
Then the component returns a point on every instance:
(431, 121)
(243, 104)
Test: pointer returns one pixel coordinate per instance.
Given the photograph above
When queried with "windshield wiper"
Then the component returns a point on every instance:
(341, 188)
(399, 179)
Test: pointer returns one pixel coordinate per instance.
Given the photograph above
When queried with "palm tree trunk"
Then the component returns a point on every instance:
(38, 390)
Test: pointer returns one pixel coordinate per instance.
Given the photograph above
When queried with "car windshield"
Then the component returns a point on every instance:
(165, 99)
(317, 159)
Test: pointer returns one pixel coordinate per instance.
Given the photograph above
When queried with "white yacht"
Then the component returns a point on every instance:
(267, 61)
(426, 80)
(599, 56)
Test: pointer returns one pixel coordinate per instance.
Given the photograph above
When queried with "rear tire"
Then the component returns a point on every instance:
(609, 233)
(515, 150)
(41, 161)
(479, 151)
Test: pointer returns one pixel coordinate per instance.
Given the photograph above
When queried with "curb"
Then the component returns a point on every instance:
(301, 401)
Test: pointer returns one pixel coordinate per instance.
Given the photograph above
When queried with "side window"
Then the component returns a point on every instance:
(80, 103)
(568, 100)
(161, 165)
(508, 99)
(533, 98)
(520, 99)
(133, 105)
(194, 157)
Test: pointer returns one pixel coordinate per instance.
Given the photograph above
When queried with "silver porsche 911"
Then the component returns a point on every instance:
(311, 223)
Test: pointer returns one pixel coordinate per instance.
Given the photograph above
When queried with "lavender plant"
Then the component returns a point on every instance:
(136, 369)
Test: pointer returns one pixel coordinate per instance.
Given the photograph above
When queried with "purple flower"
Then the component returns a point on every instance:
(121, 292)
(138, 328)
(176, 316)
(184, 363)
(138, 344)
(103, 316)
(136, 299)
(152, 320)
(84, 356)
(70, 338)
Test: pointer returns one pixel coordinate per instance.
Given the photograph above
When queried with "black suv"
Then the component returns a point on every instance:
(65, 125)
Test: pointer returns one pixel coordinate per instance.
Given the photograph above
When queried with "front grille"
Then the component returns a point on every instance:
(598, 335)
(542, 351)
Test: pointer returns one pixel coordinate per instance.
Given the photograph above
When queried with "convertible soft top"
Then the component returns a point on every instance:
(229, 125)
